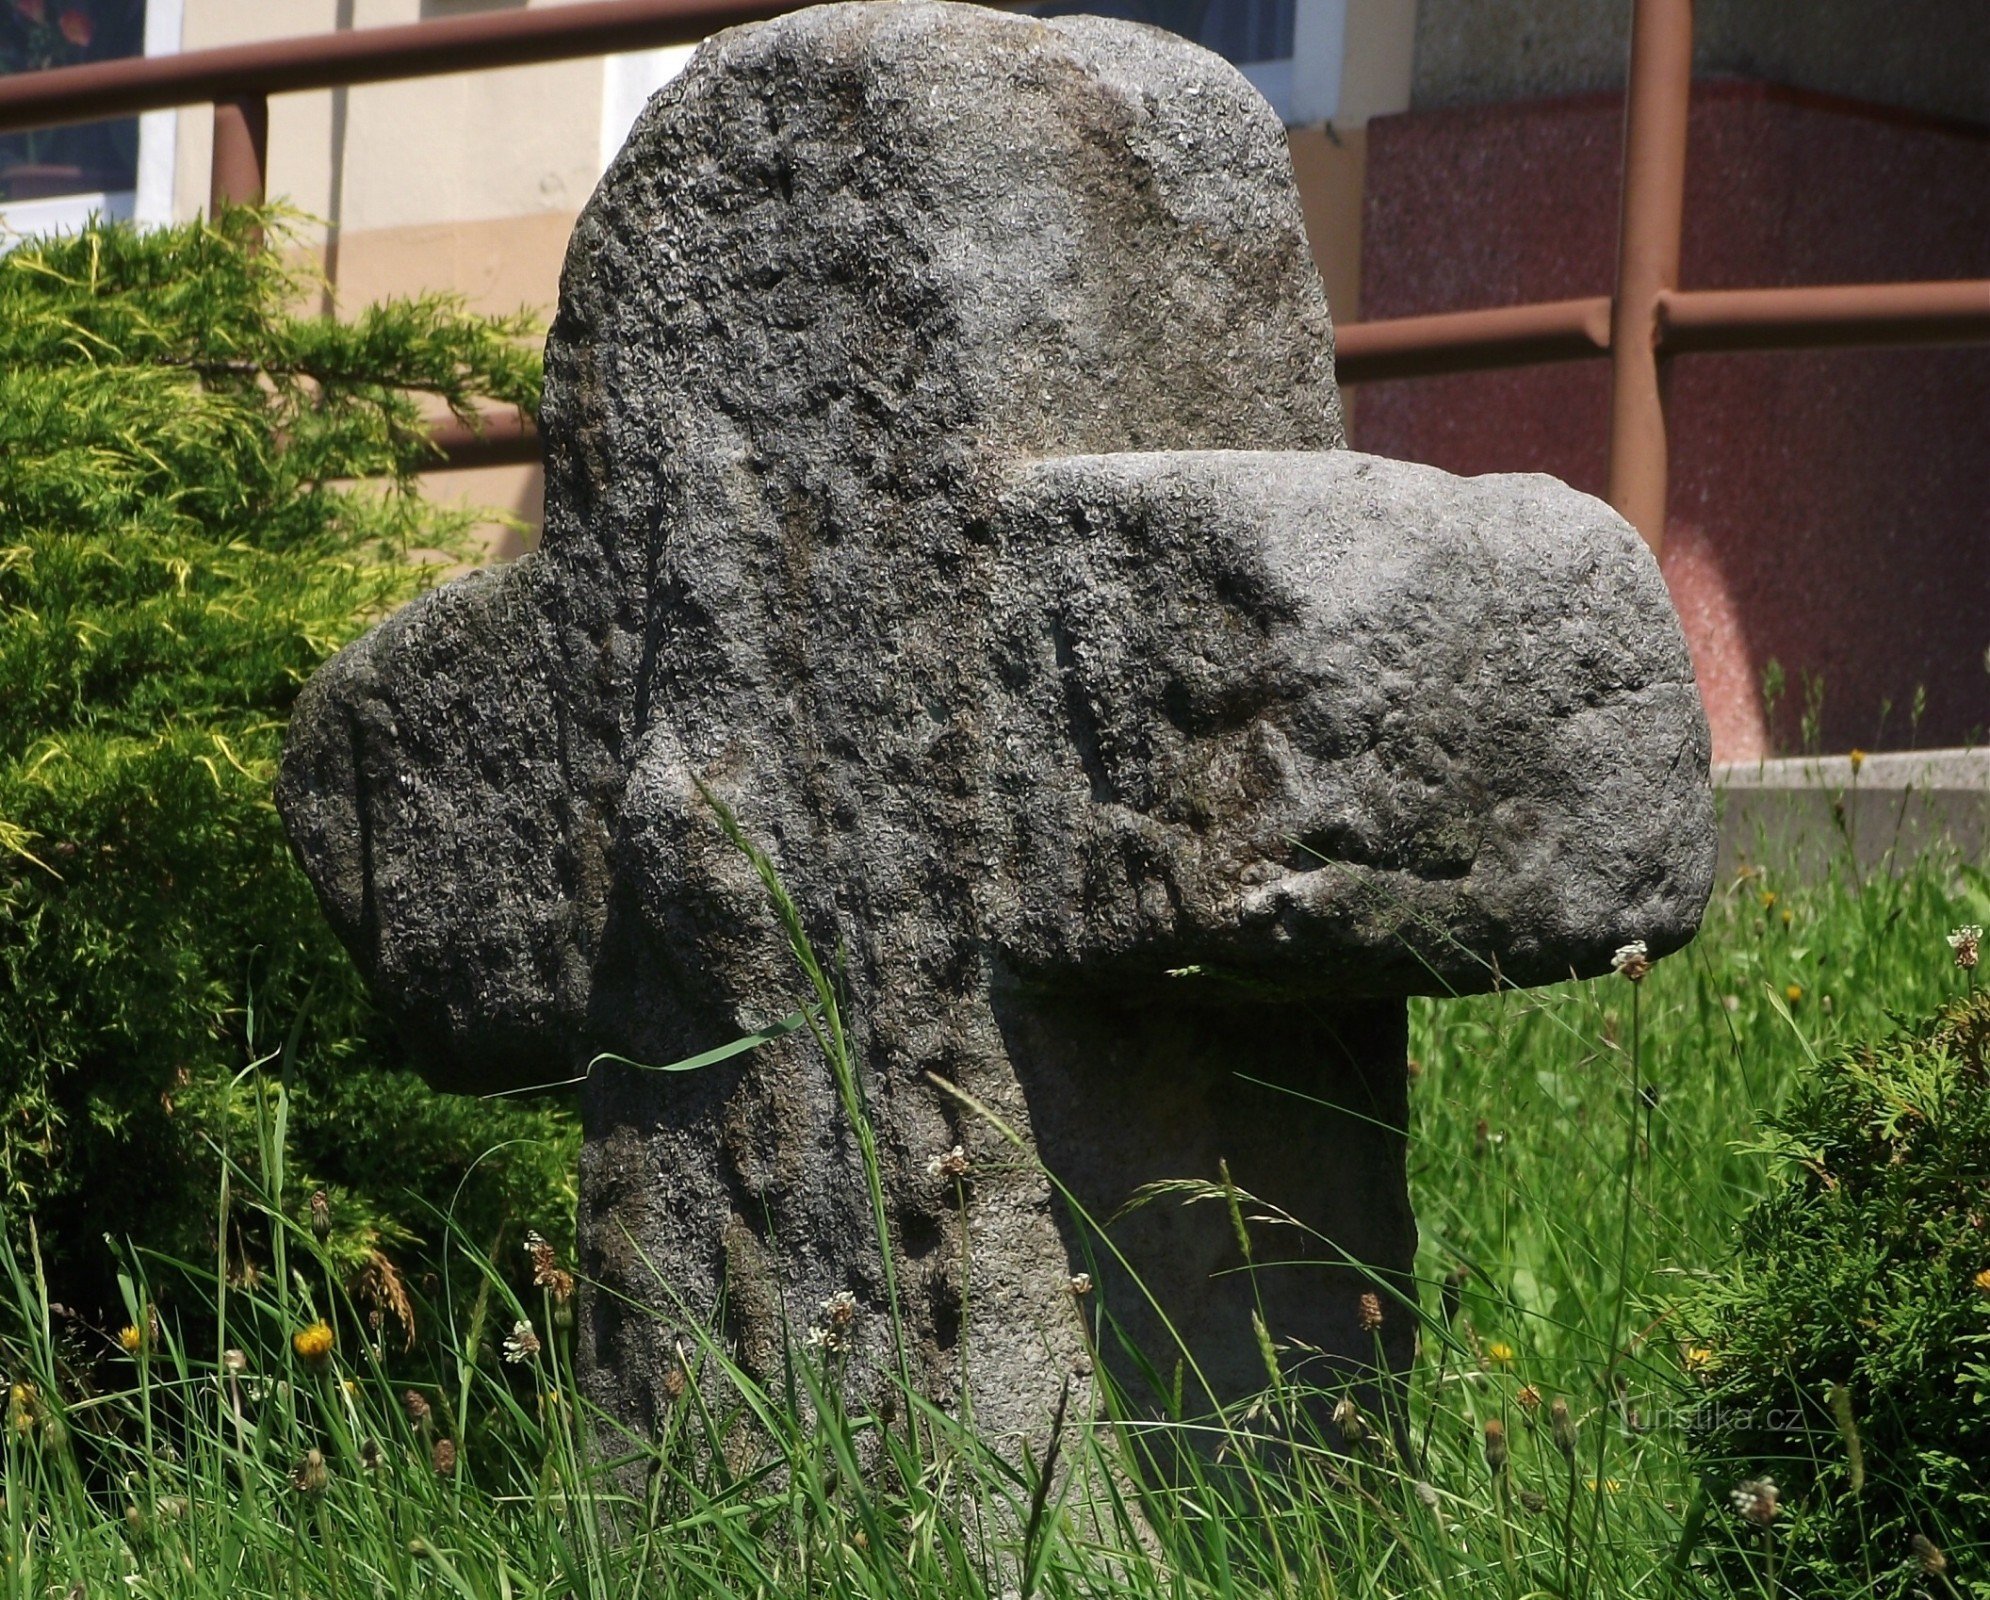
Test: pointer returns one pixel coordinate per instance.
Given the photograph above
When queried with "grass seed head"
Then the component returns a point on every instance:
(838, 1317)
(310, 1476)
(547, 1273)
(1561, 1427)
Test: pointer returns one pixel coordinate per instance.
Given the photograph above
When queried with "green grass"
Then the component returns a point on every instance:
(1577, 1159)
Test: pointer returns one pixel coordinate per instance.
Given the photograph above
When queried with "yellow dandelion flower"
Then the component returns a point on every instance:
(130, 1339)
(1982, 1281)
(1768, 898)
(1698, 1358)
(1857, 759)
(313, 1344)
(1793, 993)
(22, 1412)
(1499, 1354)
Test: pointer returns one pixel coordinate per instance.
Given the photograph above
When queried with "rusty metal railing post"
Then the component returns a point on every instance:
(239, 172)
(1654, 205)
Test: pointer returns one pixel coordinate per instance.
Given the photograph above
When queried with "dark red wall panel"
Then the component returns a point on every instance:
(1830, 511)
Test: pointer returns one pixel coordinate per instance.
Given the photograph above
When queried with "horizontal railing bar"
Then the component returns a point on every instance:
(1471, 341)
(1689, 321)
(1825, 316)
(499, 439)
(366, 55)
(1693, 321)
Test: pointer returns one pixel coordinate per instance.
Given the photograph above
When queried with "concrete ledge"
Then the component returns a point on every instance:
(1801, 814)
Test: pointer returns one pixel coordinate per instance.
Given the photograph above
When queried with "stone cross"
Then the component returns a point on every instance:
(945, 470)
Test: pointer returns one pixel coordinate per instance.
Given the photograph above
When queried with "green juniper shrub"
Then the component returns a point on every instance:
(1845, 1353)
(203, 494)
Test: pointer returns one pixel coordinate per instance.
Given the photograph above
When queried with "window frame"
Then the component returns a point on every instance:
(1304, 87)
(627, 82)
(149, 202)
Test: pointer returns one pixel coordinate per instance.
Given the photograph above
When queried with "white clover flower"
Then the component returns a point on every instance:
(1632, 961)
(1757, 1501)
(523, 1344)
(1967, 943)
(838, 1318)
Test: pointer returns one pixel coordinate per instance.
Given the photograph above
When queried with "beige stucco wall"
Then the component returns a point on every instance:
(1378, 58)
(466, 184)
(470, 183)
(427, 153)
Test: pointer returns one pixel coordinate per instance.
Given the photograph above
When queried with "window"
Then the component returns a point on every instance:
(52, 178)
(1289, 49)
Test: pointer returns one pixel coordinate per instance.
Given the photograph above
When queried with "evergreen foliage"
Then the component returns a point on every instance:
(203, 494)
(1846, 1352)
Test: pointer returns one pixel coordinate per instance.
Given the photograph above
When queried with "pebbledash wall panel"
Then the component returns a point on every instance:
(1830, 511)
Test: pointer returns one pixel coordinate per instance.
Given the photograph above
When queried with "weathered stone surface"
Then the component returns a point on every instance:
(944, 469)
(1354, 726)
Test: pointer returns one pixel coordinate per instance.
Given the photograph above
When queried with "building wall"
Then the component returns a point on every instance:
(470, 184)
(1829, 510)
(1923, 55)
(466, 184)
(521, 142)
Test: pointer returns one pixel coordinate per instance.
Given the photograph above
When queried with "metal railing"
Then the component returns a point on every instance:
(1650, 319)
(1647, 320)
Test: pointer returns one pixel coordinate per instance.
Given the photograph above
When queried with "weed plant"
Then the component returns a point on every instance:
(1846, 1348)
(1581, 1156)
